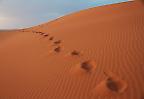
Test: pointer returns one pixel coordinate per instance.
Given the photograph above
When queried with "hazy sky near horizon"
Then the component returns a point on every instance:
(26, 13)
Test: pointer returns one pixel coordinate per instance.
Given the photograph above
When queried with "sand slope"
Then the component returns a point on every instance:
(93, 54)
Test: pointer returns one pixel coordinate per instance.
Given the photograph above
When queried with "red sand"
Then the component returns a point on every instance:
(111, 36)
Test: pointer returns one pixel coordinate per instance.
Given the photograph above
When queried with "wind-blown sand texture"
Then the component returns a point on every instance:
(97, 53)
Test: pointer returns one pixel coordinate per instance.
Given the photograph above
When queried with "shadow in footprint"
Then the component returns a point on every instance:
(75, 53)
(84, 68)
(51, 38)
(57, 49)
(45, 35)
(57, 42)
(88, 66)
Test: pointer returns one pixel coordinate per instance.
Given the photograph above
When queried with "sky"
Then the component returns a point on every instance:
(26, 13)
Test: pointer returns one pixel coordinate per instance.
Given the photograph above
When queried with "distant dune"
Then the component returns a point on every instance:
(96, 53)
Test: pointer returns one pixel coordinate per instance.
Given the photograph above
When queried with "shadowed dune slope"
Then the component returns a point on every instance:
(97, 53)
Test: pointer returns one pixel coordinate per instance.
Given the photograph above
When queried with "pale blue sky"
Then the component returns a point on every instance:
(25, 13)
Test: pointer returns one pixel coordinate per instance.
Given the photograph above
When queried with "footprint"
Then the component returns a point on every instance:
(51, 38)
(57, 42)
(75, 53)
(88, 66)
(113, 85)
(85, 67)
(45, 35)
(57, 49)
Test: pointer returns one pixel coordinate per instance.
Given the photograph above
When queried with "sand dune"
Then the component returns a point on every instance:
(96, 53)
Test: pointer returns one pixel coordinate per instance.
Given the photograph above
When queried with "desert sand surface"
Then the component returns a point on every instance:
(6, 34)
(96, 53)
